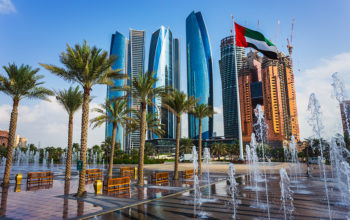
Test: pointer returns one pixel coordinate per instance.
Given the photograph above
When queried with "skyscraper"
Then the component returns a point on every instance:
(176, 63)
(269, 83)
(119, 48)
(228, 82)
(161, 63)
(250, 87)
(279, 99)
(135, 65)
(199, 71)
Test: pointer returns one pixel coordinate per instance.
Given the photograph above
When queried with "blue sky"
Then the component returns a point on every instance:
(37, 31)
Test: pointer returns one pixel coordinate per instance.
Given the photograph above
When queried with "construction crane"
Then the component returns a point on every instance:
(289, 45)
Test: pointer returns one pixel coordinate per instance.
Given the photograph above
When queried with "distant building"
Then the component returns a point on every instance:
(280, 99)
(22, 142)
(119, 48)
(4, 137)
(228, 83)
(199, 72)
(269, 83)
(161, 63)
(250, 87)
(345, 116)
(136, 63)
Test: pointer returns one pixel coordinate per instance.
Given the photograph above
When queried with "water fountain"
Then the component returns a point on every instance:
(260, 129)
(197, 193)
(294, 166)
(206, 156)
(316, 123)
(233, 189)
(286, 194)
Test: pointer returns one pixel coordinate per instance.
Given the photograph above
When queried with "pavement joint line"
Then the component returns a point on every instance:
(146, 201)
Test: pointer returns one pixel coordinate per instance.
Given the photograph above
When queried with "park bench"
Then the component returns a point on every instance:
(40, 177)
(94, 174)
(160, 178)
(187, 174)
(116, 184)
(127, 171)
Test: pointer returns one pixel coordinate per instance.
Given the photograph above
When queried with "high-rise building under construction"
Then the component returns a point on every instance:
(269, 83)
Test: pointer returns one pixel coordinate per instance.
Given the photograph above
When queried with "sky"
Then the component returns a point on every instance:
(33, 32)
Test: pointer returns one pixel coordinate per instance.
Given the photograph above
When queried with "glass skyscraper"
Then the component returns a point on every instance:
(161, 63)
(199, 72)
(135, 65)
(119, 48)
(228, 82)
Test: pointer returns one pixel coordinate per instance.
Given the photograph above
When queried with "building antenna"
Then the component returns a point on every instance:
(258, 24)
(277, 30)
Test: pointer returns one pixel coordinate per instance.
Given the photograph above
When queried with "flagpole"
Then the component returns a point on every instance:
(237, 91)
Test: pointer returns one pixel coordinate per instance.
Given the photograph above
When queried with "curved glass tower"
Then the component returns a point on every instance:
(161, 62)
(199, 71)
(119, 48)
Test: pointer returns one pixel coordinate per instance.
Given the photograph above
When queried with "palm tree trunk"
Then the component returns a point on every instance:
(83, 140)
(176, 166)
(114, 134)
(11, 142)
(142, 143)
(200, 148)
(70, 147)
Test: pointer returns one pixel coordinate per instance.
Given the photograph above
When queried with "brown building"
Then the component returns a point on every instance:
(345, 114)
(4, 135)
(269, 83)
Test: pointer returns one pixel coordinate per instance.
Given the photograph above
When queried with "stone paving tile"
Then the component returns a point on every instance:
(56, 201)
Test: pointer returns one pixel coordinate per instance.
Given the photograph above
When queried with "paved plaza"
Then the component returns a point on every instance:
(171, 200)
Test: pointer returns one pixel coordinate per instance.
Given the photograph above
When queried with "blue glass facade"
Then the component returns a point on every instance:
(161, 63)
(119, 48)
(199, 71)
(229, 85)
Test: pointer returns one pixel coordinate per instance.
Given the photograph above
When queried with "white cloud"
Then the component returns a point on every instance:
(47, 123)
(7, 7)
(318, 80)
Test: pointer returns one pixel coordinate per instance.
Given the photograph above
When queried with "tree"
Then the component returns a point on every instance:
(233, 149)
(149, 149)
(21, 82)
(87, 66)
(71, 100)
(178, 103)
(143, 89)
(186, 145)
(219, 149)
(201, 111)
(115, 112)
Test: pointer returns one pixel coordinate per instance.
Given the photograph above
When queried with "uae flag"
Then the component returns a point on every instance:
(249, 38)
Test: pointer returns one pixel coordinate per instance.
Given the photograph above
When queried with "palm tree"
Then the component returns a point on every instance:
(143, 90)
(21, 82)
(219, 149)
(115, 112)
(71, 100)
(178, 103)
(186, 145)
(86, 66)
(201, 111)
(152, 124)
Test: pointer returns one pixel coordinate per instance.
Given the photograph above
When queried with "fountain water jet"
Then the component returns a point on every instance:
(316, 123)
(233, 189)
(286, 193)
(260, 129)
